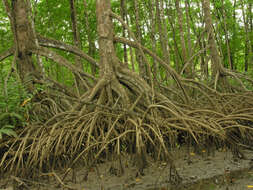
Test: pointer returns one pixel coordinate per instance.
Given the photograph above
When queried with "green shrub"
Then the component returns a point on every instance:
(13, 105)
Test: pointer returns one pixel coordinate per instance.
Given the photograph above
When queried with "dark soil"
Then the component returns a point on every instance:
(220, 171)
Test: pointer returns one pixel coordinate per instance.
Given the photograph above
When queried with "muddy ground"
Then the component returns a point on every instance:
(219, 171)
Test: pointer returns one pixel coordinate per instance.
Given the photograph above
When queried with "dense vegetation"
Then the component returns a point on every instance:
(86, 80)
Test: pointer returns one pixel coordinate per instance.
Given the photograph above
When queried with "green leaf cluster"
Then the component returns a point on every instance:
(12, 95)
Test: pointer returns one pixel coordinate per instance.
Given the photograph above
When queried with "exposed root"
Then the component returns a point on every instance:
(97, 131)
(121, 113)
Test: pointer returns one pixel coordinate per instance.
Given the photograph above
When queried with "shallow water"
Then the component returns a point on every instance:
(241, 180)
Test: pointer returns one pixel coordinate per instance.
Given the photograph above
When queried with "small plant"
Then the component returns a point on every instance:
(13, 103)
(8, 121)
(7, 130)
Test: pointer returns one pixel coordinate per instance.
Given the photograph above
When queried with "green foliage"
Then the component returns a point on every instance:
(7, 130)
(5, 34)
(8, 121)
(12, 97)
(13, 103)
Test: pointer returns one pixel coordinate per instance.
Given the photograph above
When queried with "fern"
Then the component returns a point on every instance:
(7, 130)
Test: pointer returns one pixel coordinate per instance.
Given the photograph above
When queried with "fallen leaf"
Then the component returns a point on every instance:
(137, 179)
(192, 154)
(25, 102)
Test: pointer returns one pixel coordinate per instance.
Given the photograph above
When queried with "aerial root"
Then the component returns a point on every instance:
(120, 118)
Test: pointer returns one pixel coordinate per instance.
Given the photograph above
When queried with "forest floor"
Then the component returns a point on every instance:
(220, 171)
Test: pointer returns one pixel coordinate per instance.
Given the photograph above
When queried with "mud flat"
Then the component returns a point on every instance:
(220, 171)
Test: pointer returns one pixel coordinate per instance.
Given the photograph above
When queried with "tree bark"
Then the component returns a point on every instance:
(162, 31)
(215, 57)
(182, 38)
(248, 51)
(123, 15)
(152, 38)
(91, 41)
(189, 40)
(226, 36)
(77, 43)
(25, 41)
(139, 58)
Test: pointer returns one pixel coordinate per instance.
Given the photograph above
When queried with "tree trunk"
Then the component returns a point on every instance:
(218, 72)
(162, 31)
(24, 36)
(248, 51)
(189, 42)
(91, 41)
(226, 36)
(108, 59)
(77, 43)
(123, 15)
(152, 38)
(139, 58)
(130, 48)
(177, 55)
(105, 31)
(215, 57)
(201, 42)
(182, 38)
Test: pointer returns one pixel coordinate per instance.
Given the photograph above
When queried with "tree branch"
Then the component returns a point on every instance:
(171, 71)
(6, 53)
(61, 60)
(7, 8)
(46, 42)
